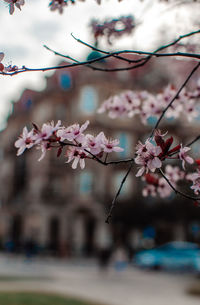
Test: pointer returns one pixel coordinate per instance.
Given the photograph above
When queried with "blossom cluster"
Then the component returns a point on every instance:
(54, 4)
(79, 146)
(114, 28)
(149, 156)
(158, 186)
(59, 5)
(146, 105)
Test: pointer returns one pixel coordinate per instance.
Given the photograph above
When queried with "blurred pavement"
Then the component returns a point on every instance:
(83, 279)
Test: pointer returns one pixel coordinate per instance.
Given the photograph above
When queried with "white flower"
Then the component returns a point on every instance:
(73, 132)
(195, 178)
(25, 141)
(109, 145)
(184, 157)
(47, 131)
(147, 157)
(77, 156)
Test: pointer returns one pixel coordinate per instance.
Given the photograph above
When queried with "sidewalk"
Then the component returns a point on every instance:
(130, 287)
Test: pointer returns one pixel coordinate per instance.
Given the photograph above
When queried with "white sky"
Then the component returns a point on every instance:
(24, 33)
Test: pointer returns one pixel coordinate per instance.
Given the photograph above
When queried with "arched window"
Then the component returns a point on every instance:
(88, 100)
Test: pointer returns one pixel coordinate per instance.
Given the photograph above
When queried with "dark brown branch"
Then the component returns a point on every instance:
(102, 51)
(95, 157)
(142, 60)
(84, 63)
(177, 191)
(193, 141)
(118, 193)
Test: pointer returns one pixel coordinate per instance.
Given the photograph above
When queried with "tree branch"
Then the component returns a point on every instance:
(118, 193)
(177, 191)
(174, 98)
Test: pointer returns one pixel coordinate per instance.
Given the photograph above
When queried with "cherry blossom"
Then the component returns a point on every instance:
(94, 143)
(77, 156)
(158, 186)
(43, 146)
(184, 157)
(195, 178)
(146, 105)
(174, 173)
(46, 131)
(73, 132)
(13, 3)
(25, 141)
(58, 5)
(79, 146)
(147, 157)
(109, 145)
(149, 190)
(109, 28)
(150, 156)
(164, 190)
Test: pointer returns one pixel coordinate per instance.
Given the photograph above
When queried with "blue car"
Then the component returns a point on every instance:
(172, 256)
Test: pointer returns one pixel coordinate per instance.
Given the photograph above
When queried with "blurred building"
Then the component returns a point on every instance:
(63, 210)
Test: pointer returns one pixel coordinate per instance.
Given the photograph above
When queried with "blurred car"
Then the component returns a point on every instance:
(174, 255)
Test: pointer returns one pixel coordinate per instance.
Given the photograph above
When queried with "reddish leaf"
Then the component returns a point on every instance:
(59, 151)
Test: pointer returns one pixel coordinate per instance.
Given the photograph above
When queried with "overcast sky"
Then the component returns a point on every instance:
(24, 33)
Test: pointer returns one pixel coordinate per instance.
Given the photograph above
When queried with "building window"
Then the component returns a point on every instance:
(88, 100)
(65, 80)
(125, 143)
(85, 182)
(127, 187)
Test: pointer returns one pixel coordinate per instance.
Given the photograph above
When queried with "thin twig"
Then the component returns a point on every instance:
(95, 157)
(177, 191)
(193, 141)
(118, 193)
(174, 98)
(84, 63)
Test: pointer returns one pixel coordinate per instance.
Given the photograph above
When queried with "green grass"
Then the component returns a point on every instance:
(31, 298)
(10, 278)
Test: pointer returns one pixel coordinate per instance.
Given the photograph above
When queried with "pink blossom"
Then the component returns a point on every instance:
(58, 5)
(25, 141)
(184, 157)
(147, 157)
(115, 107)
(94, 143)
(173, 173)
(44, 146)
(109, 145)
(164, 189)
(149, 190)
(73, 132)
(151, 107)
(46, 132)
(195, 178)
(13, 3)
(77, 156)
